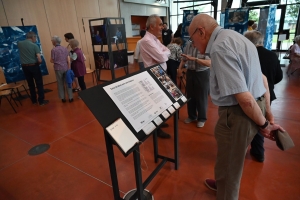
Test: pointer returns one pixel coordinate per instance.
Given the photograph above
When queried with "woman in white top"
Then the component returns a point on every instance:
(294, 56)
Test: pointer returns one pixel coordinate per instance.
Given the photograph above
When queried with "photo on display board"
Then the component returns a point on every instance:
(120, 58)
(9, 52)
(101, 60)
(98, 34)
(161, 75)
(117, 35)
(236, 19)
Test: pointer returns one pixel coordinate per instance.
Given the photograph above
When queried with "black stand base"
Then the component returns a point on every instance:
(146, 195)
(39, 149)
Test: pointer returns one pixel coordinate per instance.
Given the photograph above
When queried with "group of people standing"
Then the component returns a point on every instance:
(64, 60)
(173, 59)
(239, 74)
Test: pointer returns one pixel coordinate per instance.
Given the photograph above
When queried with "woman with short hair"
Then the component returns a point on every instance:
(77, 64)
(61, 60)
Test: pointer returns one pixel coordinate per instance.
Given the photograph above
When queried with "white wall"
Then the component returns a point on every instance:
(128, 9)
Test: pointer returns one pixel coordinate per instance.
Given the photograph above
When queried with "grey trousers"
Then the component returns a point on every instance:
(62, 85)
(197, 90)
(234, 131)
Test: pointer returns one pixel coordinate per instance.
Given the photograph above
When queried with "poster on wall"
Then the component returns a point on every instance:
(188, 16)
(9, 52)
(266, 24)
(236, 19)
(98, 34)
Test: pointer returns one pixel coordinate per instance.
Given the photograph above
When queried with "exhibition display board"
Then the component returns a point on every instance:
(131, 109)
(109, 44)
(236, 19)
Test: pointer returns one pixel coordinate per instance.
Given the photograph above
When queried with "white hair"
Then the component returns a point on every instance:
(255, 37)
(56, 39)
(151, 20)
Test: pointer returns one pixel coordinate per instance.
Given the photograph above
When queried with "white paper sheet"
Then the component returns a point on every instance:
(158, 121)
(176, 105)
(183, 99)
(149, 128)
(139, 98)
(171, 109)
(165, 114)
(282, 37)
(122, 135)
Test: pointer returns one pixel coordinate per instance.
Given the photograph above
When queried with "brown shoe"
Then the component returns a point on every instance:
(211, 184)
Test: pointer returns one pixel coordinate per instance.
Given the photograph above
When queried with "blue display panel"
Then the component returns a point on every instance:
(9, 52)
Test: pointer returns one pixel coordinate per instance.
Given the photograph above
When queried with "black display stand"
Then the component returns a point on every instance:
(109, 45)
(106, 112)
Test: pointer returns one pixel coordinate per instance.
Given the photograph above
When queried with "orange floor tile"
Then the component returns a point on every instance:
(76, 165)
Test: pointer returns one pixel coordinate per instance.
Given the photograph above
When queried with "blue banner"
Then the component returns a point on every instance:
(266, 24)
(188, 16)
(236, 19)
(9, 52)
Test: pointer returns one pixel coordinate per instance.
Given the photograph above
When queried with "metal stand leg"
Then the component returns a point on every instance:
(155, 146)
(112, 166)
(176, 145)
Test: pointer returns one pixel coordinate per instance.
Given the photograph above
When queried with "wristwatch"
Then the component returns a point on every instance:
(265, 125)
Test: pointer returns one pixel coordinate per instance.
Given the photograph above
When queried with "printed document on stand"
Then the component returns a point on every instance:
(139, 98)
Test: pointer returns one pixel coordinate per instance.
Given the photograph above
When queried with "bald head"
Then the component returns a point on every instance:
(205, 21)
(200, 31)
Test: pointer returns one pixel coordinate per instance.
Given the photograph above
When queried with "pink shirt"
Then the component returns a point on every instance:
(153, 51)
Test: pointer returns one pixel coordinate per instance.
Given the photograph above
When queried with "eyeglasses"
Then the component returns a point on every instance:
(190, 39)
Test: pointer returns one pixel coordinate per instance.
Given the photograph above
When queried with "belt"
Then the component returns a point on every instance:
(32, 64)
(260, 98)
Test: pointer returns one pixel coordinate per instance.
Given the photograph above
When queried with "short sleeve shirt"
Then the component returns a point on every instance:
(235, 67)
(192, 65)
(28, 51)
(60, 54)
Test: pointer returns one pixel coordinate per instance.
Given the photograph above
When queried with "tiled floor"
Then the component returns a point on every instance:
(76, 166)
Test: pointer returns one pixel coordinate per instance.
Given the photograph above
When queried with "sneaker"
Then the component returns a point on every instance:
(257, 157)
(211, 184)
(44, 102)
(71, 100)
(162, 134)
(200, 124)
(188, 120)
(63, 100)
(75, 89)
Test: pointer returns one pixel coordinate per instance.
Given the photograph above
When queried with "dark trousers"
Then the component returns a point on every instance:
(172, 66)
(34, 78)
(197, 90)
(257, 144)
(81, 82)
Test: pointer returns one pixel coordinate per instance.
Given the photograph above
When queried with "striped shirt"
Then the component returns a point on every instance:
(192, 51)
(235, 67)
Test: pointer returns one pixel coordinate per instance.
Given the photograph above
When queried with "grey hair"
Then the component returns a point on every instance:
(30, 35)
(297, 38)
(56, 39)
(255, 37)
(151, 20)
(73, 43)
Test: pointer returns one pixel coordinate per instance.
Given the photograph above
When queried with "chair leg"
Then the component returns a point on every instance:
(11, 97)
(11, 103)
(26, 91)
(19, 96)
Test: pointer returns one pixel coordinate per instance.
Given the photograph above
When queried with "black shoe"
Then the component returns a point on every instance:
(44, 102)
(162, 134)
(71, 100)
(257, 157)
(164, 125)
(63, 100)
